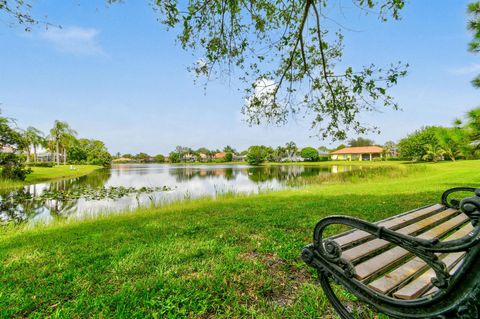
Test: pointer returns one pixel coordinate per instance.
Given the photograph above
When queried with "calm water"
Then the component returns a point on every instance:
(185, 182)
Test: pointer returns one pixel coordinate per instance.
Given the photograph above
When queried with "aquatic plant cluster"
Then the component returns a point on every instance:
(89, 193)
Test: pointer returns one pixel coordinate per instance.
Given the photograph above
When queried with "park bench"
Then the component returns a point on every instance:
(424, 263)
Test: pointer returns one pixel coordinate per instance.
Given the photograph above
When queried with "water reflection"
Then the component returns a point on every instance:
(24, 205)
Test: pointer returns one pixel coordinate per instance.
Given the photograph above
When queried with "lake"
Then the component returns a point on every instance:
(45, 202)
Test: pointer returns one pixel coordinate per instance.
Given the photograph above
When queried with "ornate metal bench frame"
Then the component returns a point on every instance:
(458, 295)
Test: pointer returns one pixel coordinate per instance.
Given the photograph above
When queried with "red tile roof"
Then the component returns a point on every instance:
(359, 150)
(220, 155)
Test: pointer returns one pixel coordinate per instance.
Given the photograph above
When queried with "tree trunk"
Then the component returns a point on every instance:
(28, 153)
(64, 156)
(35, 158)
(58, 154)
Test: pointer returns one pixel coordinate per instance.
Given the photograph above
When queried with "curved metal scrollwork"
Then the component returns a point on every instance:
(470, 206)
(454, 202)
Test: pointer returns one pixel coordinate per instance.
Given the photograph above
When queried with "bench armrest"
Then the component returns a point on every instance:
(469, 206)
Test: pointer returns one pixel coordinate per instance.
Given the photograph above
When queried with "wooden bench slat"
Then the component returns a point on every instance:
(423, 283)
(371, 246)
(391, 256)
(395, 278)
(452, 272)
(392, 223)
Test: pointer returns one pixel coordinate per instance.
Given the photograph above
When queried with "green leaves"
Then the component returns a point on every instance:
(258, 154)
(473, 25)
(285, 43)
(286, 59)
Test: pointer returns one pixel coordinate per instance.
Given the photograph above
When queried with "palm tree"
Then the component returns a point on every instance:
(452, 141)
(473, 126)
(23, 143)
(452, 152)
(34, 137)
(66, 141)
(433, 152)
(291, 149)
(58, 134)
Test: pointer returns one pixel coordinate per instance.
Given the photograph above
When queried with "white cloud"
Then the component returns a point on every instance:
(75, 40)
(263, 91)
(470, 69)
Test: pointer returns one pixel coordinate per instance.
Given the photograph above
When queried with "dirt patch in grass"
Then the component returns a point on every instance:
(284, 277)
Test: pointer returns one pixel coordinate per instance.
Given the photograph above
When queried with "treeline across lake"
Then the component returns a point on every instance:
(433, 143)
(21, 148)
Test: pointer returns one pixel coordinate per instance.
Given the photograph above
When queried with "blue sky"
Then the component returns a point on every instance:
(115, 74)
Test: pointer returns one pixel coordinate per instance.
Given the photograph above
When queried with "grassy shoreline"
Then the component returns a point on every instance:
(43, 174)
(226, 257)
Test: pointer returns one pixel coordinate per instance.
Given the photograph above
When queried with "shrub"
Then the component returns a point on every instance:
(159, 158)
(257, 154)
(309, 154)
(39, 164)
(174, 157)
(13, 166)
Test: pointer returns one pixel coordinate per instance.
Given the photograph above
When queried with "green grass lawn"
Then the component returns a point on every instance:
(41, 174)
(228, 258)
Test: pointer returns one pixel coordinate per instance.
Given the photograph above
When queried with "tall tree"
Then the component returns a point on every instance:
(473, 127)
(291, 149)
(360, 141)
(453, 141)
(474, 26)
(286, 52)
(415, 145)
(67, 140)
(60, 132)
(323, 149)
(8, 135)
(12, 164)
(390, 148)
(35, 138)
(229, 149)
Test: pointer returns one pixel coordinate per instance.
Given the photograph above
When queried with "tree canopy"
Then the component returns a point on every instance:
(258, 154)
(286, 52)
(474, 26)
(8, 135)
(309, 154)
(360, 141)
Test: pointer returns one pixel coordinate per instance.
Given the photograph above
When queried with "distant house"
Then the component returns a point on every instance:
(122, 160)
(189, 158)
(203, 157)
(362, 153)
(220, 155)
(7, 149)
(49, 157)
(239, 158)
